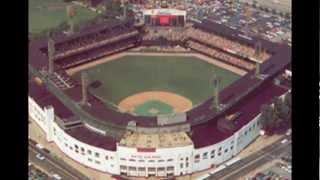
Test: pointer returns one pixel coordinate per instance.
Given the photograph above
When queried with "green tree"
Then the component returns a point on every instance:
(267, 116)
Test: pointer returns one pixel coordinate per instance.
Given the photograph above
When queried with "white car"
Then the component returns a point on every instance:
(284, 141)
(40, 157)
(56, 176)
(288, 133)
(39, 146)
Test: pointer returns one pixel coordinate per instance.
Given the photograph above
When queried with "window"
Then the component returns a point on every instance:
(76, 151)
(107, 157)
(123, 167)
(254, 125)
(170, 160)
(226, 150)
(220, 148)
(122, 159)
(89, 159)
(132, 168)
(231, 147)
(151, 169)
(232, 142)
(151, 161)
(132, 160)
(82, 149)
(181, 165)
(96, 154)
(219, 153)
(97, 162)
(187, 164)
(141, 169)
(170, 168)
(197, 156)
(187, 159)
(160, 160)
(205, 155)
(89, 152)
(161, 169)
(76, 146)
(181, 159)
(249, 128)
(245, 132)
(212, 154)
(66, 144)
(141, 160)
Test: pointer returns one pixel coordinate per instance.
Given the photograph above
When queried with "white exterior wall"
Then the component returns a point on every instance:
(37, 114)
(178, 157)
(110, 161)
(106, 161)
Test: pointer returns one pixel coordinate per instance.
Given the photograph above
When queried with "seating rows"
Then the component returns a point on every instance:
(220, 55)
(93, 54)
(116, 31)
(223, 43)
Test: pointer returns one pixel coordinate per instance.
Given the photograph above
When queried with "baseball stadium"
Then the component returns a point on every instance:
(166, 98)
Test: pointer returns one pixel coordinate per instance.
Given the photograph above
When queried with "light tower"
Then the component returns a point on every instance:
(70, 14)
(51, 52)
(216, 80)
(84, 82)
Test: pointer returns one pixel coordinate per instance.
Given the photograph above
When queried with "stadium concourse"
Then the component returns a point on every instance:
(118, 143)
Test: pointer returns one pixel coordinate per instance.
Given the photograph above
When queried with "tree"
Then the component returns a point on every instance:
(287, 99)
(267, 116)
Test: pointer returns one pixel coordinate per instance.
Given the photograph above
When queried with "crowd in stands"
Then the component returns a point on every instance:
(94, 40)
(235, 61)
(174, 49)
(221, 42)
(95, 53)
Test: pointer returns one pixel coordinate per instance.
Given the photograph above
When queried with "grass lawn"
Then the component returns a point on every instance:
(186, 76)
(44, 14)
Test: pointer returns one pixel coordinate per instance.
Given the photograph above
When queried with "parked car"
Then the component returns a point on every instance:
(40, 156)
(56, 176)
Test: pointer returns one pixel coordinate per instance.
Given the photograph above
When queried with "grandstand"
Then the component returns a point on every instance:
(121, 139)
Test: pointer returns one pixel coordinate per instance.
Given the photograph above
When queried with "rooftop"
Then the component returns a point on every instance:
(155, 140)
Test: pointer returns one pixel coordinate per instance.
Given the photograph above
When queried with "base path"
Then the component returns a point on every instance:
(209, 60)
(179, 103)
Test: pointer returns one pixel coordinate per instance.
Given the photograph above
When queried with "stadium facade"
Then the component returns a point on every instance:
(122, 144)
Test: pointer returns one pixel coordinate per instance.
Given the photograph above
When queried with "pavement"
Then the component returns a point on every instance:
(245, 166)
(52, 166)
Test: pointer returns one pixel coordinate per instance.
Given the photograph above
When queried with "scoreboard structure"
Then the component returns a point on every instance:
(164, 17)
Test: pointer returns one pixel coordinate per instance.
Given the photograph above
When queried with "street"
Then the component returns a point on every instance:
(253, 161)
(52, 165)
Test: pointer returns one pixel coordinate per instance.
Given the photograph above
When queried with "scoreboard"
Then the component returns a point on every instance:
(164, 17)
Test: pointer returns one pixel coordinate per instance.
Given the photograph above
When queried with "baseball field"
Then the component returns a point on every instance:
(153, 85)
(46, 14)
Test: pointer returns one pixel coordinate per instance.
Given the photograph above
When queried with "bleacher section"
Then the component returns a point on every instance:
(220, 55)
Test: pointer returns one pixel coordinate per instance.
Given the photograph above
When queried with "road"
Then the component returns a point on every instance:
(253, 161)
(52, 165)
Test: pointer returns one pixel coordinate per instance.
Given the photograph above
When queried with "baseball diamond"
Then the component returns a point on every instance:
(186, 76)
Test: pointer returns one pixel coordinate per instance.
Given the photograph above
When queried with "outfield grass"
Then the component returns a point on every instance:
(186, 76)
(45, 14)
